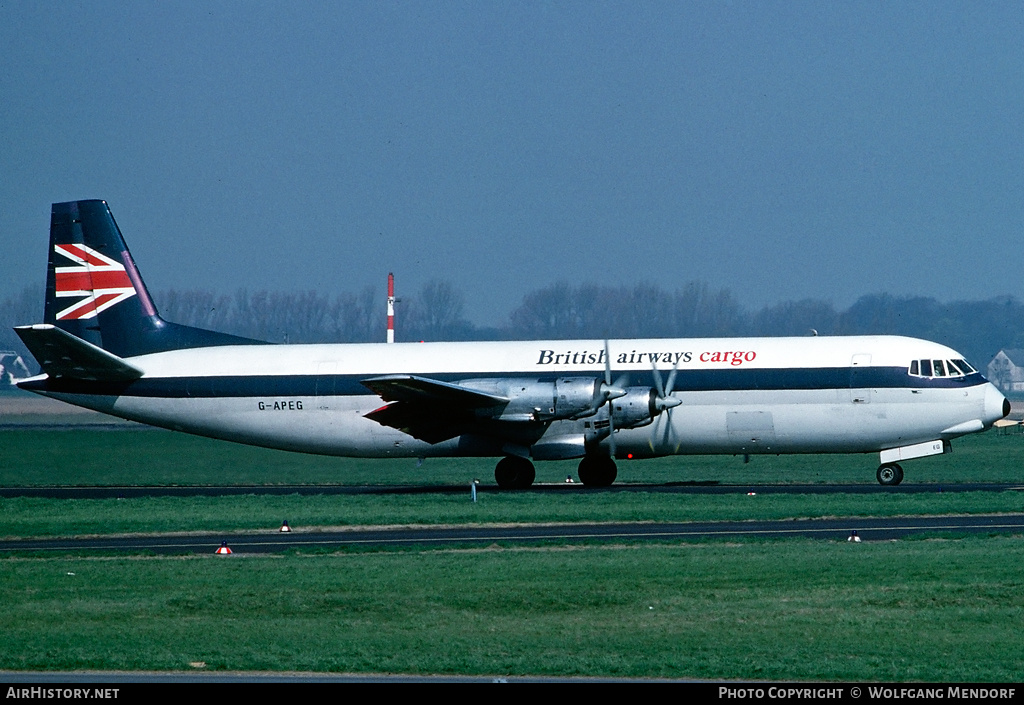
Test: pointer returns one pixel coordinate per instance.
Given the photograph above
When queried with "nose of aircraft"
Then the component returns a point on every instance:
(996, 405)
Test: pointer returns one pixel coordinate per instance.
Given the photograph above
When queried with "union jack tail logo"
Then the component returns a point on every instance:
(102, 281)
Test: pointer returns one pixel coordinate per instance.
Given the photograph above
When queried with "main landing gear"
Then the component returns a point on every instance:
(515, 473)
(597, 470)
(890, 474)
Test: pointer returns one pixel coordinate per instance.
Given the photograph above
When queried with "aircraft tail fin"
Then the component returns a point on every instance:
(94, 290)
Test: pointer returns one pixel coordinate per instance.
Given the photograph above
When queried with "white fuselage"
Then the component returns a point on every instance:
(738, 395)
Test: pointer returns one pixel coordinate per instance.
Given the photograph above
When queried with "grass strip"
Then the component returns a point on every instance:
(154, 457)
(782, 610)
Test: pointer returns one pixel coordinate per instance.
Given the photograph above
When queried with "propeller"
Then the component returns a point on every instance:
(607, 391)
(665, 402)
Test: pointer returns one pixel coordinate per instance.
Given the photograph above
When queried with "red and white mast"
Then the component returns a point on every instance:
(391, 307)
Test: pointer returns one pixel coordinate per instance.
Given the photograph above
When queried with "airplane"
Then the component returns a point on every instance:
(104, 346)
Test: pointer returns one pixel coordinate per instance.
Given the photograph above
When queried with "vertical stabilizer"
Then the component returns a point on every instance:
(93, 289)
(95, 292)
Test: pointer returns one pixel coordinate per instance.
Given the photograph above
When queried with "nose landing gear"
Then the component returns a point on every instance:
(890, 474)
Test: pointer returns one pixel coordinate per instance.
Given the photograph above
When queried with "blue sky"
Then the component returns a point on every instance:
(783, 150)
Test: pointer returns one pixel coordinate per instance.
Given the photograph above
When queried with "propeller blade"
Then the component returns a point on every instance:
(671, 386)
(611, 391)
(611, 429)
(665, 433)
(665, 400)
(664, 430)
(657, 379)
(607, 364)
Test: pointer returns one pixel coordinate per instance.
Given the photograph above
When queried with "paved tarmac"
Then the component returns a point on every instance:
(842, 529)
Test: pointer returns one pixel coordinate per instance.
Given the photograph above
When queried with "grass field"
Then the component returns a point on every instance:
(785, 610)
(915, 610)
(142, 456)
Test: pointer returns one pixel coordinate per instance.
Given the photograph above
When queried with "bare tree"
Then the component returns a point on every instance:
(436, 312)
(196, 307)
(359, 318)
(699, 311)
(795, 318)
(547, 313)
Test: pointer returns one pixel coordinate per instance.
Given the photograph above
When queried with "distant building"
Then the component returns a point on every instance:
(1006, 370)
(12, 368)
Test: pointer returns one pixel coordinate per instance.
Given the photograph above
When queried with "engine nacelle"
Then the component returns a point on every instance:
(576, 397)
(537, 400)
(567, 398)
(636, 408)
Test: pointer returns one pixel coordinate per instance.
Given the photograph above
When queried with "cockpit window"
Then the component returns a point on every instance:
(965, 367)
(940, 368)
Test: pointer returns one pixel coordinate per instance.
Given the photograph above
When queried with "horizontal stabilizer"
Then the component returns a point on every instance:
(62, 355)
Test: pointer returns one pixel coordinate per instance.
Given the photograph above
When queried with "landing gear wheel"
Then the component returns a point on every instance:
(514, 473)
(597, 471)
(889, 474)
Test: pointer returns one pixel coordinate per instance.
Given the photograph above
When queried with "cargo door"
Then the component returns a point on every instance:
(860, 378)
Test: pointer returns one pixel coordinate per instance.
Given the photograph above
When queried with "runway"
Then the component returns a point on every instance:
(363, 538)
(867, 529)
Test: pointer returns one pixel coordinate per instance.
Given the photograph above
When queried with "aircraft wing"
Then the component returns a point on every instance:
(427, 409)
(422, 390)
